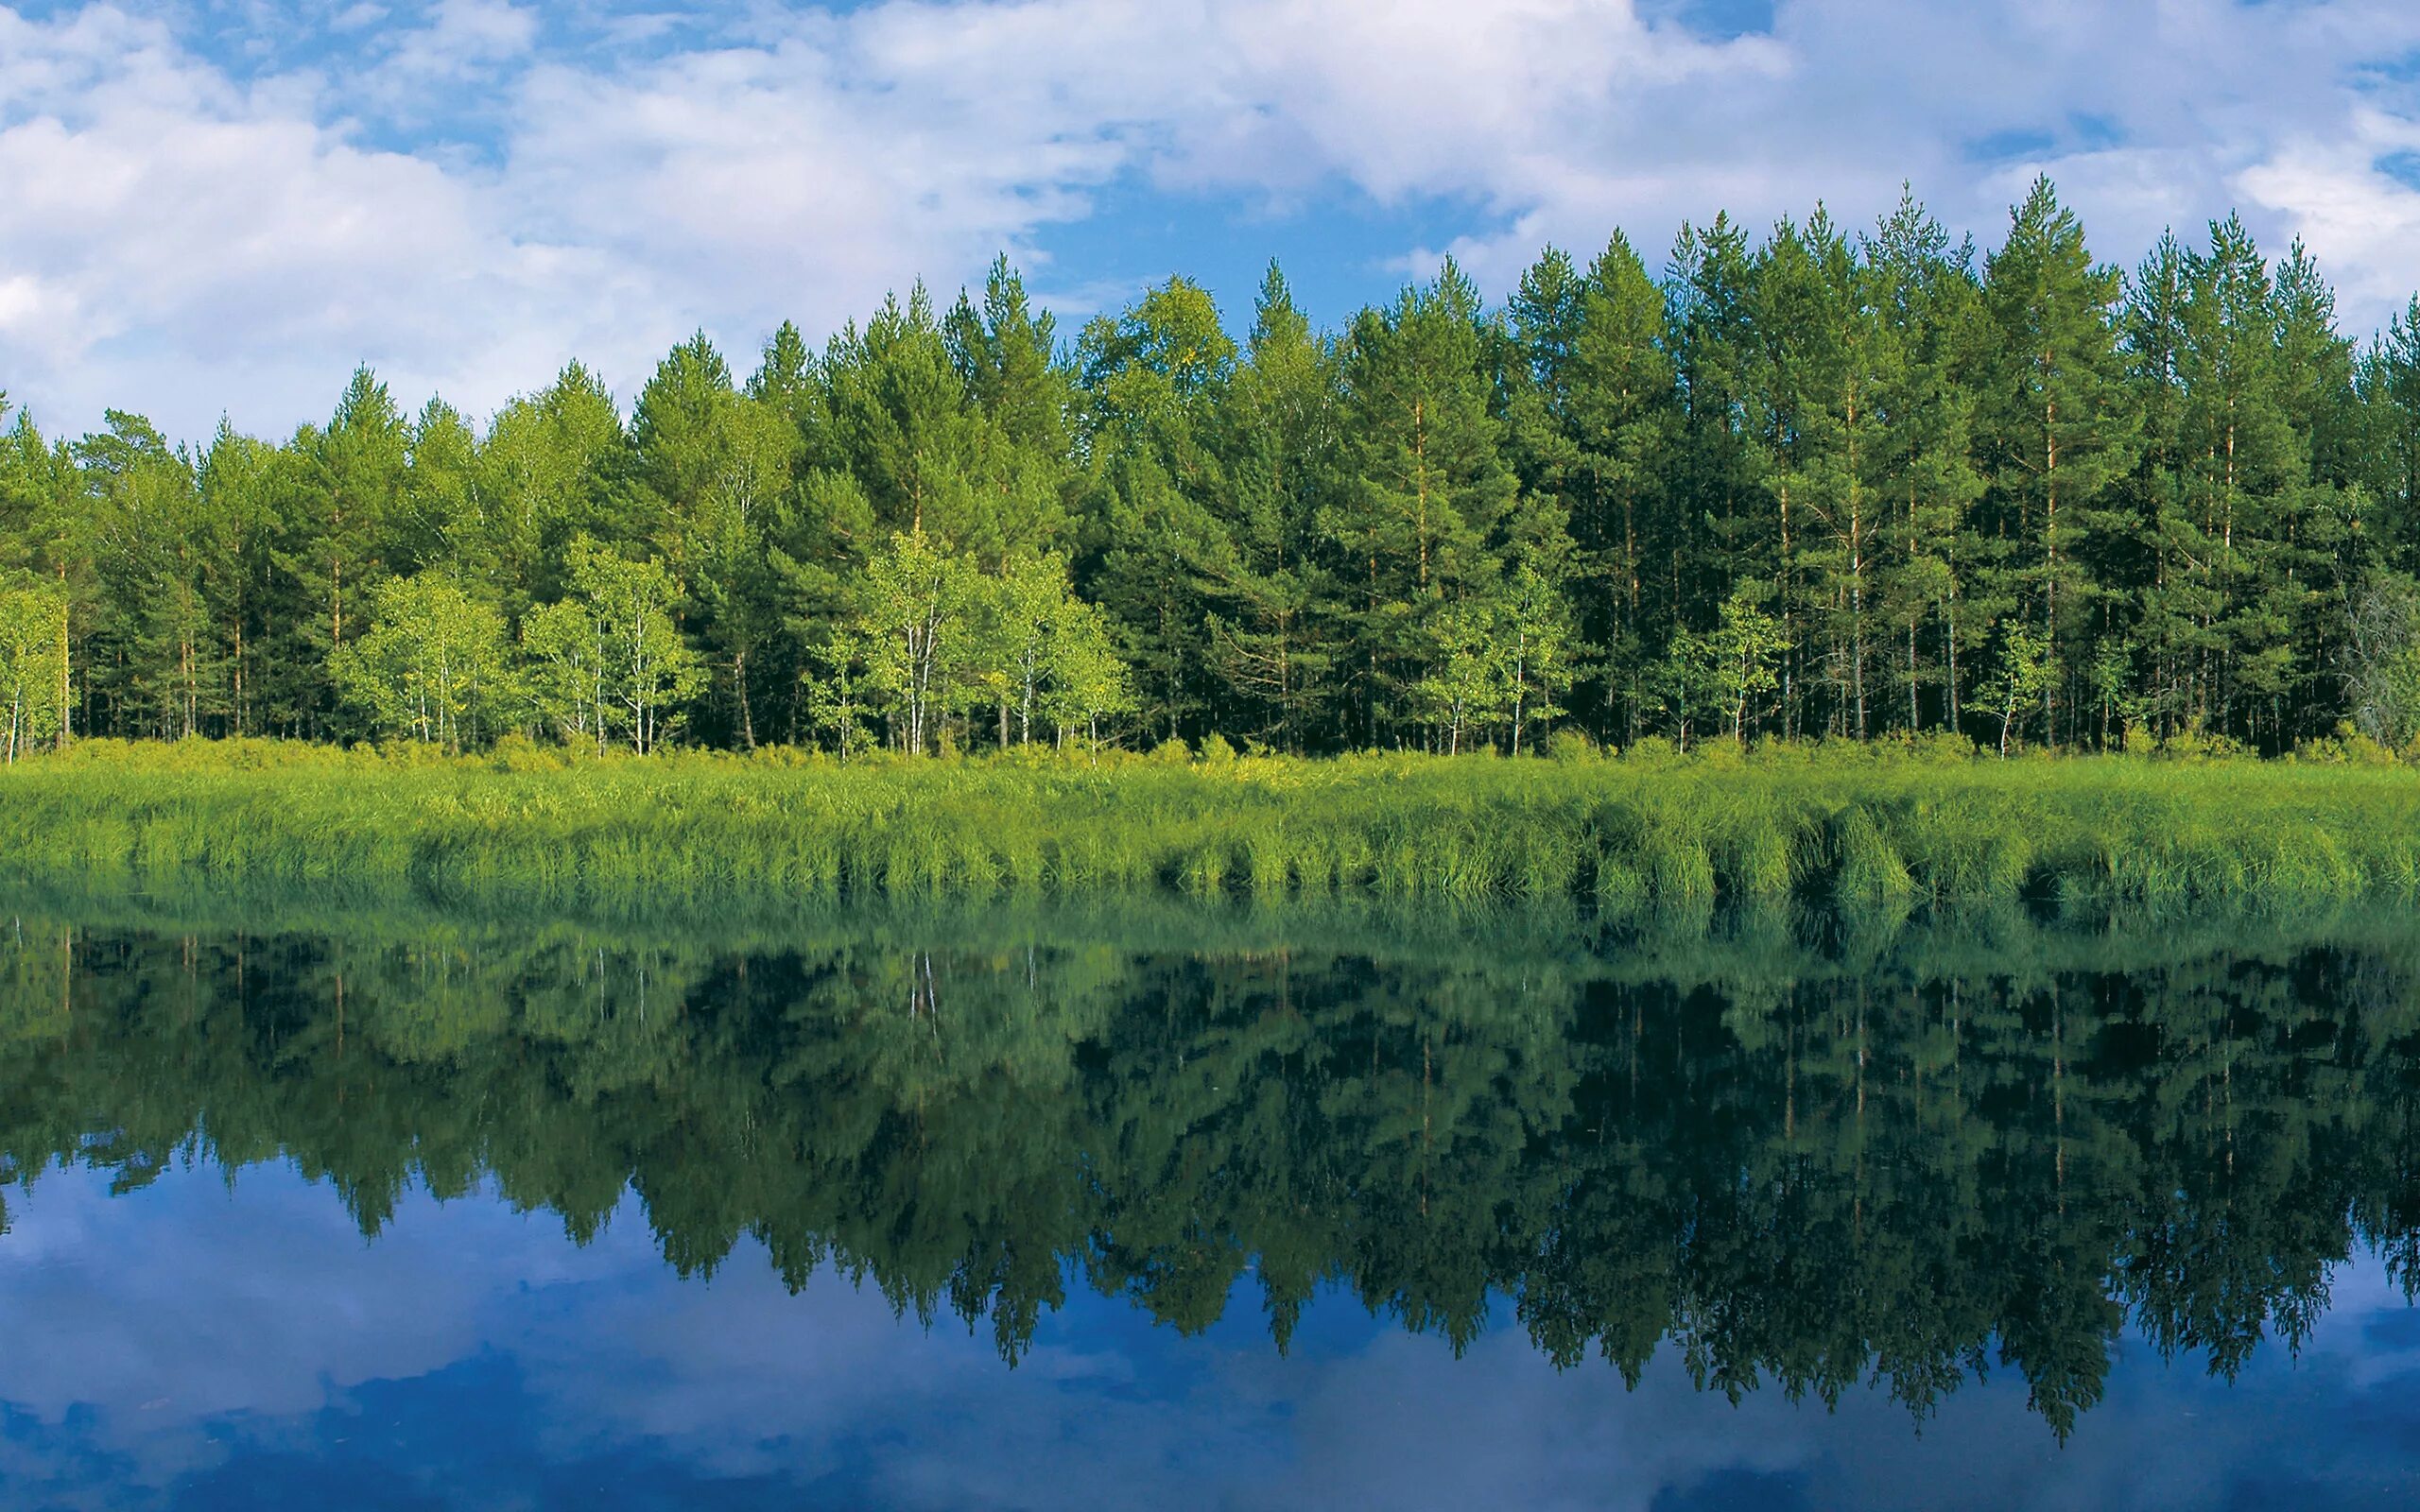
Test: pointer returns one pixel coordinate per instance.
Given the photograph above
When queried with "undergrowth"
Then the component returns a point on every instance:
(1649, 830)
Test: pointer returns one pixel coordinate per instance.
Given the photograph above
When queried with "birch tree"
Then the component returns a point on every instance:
(431, 667)
(918, 618)
(33, 619)
(607, 663)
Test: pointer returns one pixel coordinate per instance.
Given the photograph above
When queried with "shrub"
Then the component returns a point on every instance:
(1570, 745)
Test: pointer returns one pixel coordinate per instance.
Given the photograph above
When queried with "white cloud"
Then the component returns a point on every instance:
(462, 39)
(2146, 115)
(465, 198)
(2358, 220)
(171, 225)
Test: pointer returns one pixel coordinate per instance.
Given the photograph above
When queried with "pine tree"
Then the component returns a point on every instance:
(1626, 422)
(1826, 366)
(348, 492)
(2056, 425)
(2324, 550)
(2390, 393)
(1152, 378)
(2243, 469)
(906, 432)
(2172, 602)
(1927, 304)
(154, 672)
(244, 484)
(1007, 359)
(1425, 505)
(1723, 527)
(1270, 603)
(1829, 483)
(718, 473)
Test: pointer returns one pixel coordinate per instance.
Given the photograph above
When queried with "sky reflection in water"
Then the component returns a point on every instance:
(196, 1347)
(205, 1341)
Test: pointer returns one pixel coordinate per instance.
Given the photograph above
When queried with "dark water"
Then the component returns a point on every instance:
(960, 1213)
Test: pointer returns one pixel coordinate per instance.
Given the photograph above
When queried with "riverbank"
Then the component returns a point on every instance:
(1642, 830)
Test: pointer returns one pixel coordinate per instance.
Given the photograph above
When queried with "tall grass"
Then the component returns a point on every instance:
(1629, 833)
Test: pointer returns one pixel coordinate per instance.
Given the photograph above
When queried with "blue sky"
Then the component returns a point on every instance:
(222, 205)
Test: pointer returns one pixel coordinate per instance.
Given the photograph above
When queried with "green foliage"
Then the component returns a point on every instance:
(432, 666)
(33, 666)
(1727, 673)
(606, 663)
(2382, 660)
(2021, 678)
(938, 635)
(920, 603)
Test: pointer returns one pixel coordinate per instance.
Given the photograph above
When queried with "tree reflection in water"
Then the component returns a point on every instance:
(1809, 1153)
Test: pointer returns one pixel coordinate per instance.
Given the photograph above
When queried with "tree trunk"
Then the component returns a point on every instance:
(1949, 654)
(2050, 585)
(739, 681)
(1420, 476)
(1856, 577)
(65, 685)
(1915, 720)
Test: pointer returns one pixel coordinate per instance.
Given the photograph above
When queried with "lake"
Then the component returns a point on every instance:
(318, 1205)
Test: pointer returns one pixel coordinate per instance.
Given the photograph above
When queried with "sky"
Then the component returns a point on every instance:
(218, 208)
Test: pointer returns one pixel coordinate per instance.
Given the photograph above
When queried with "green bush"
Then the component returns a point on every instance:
(1570, 745)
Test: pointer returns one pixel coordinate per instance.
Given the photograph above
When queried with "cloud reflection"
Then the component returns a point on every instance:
(204, 1344)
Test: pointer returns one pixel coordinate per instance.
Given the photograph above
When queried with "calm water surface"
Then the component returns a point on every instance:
(958, 1212)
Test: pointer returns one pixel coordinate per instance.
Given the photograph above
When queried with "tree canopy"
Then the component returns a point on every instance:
(1820, 482)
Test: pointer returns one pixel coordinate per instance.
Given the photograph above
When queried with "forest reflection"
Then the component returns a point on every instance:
(1805, 1154)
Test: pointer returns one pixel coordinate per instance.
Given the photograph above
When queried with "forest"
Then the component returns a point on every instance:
(1813, 483)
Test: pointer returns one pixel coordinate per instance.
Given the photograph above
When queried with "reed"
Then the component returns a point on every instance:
(1627, 833)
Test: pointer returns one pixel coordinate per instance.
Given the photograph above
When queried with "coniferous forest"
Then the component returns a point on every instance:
(1818, 482)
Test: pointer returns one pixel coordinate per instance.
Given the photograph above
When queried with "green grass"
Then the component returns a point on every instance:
(1868, 827)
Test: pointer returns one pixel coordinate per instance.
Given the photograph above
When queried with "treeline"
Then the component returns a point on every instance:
(1821, 483)
(1872, 1169)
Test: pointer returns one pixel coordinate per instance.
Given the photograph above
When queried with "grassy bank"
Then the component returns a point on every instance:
(1862, 825)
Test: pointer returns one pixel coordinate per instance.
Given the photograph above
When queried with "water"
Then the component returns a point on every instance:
(329, 1210)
